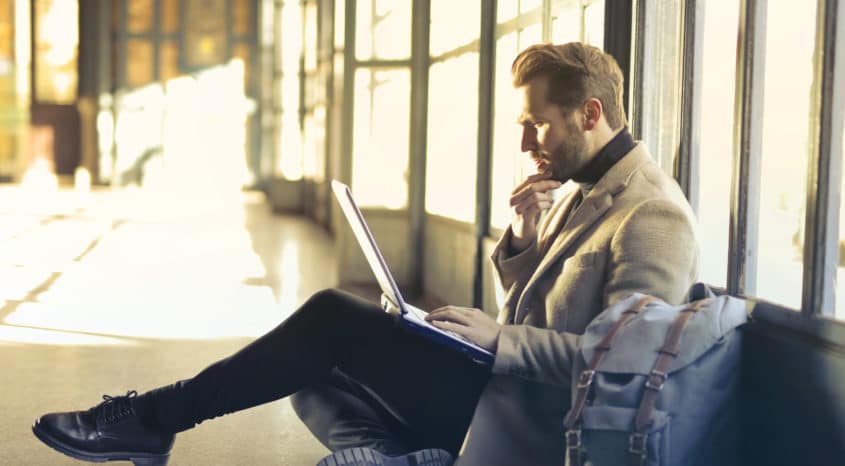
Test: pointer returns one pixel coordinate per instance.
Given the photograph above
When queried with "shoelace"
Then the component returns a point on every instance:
(114, 408)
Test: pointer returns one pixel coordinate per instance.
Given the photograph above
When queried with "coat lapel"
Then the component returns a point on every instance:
(591, 210)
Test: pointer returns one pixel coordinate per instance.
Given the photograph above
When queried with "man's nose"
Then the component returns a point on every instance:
(529, 140)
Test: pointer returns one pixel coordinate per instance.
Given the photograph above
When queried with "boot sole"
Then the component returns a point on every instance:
(370, 457)
(139, 459)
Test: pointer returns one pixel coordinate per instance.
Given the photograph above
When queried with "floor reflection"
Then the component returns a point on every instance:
(133, 263)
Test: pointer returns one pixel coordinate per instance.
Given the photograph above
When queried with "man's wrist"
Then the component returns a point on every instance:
(516, 246)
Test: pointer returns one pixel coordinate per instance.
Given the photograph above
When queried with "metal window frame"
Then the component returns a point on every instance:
(687, 162)
(484, 162)
(635, 85)
(747, 152)
(420, 30)
(821, 244)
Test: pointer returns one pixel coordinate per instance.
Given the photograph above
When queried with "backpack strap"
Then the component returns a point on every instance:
(656, 380)
(585, 381)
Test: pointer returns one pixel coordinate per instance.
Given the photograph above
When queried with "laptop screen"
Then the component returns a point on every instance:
(367, 243)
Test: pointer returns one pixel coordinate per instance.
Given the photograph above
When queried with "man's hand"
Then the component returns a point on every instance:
(472, 324)
(530, 198)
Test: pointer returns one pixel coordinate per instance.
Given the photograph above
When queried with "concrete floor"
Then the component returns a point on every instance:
(105, 292)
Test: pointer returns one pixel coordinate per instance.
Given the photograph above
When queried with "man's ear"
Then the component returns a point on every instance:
(592, 113)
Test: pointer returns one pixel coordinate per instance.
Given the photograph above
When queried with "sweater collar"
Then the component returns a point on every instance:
(606, 158)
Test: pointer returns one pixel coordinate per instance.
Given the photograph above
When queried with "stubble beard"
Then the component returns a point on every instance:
(569, 157)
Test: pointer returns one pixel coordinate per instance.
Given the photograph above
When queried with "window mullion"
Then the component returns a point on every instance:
(636, 84)
(821, 251)
(688, 156)
(748, 139)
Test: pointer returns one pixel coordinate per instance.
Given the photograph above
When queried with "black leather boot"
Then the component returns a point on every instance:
(110, 431)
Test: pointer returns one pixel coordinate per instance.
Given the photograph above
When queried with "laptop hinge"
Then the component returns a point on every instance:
(389, 306)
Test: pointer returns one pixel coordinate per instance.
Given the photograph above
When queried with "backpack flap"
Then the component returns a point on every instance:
(635, 347)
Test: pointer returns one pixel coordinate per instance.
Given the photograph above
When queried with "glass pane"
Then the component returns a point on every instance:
(169, 16)
(594, 24)
(243, 53)
(56, 48)
(718, 74)
(168, 59)
(315, 144)
(566, 21)
(289, 162)
(506, 10)
(7, 37)
(383, 30)
(206, 34)
(310, 37)
(453, 24)
(509, 165)
(788, 80)
(505, 168)
(840, 271)
(14, 114)
(452, 138)
(662, 78)
(339, 23)
(380, 132)
(139, 16)
(527, 5)
(242, 17)
(139, 62)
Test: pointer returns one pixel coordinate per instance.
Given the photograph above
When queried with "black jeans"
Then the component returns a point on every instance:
(347, 357)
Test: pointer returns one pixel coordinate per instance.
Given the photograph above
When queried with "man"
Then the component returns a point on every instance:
(362, 381)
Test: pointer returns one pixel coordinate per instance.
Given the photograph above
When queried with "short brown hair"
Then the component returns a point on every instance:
(576, 72)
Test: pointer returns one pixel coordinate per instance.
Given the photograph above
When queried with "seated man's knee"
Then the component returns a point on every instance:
(328, 298)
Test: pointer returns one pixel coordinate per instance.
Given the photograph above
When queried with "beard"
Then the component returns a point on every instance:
(570, 156)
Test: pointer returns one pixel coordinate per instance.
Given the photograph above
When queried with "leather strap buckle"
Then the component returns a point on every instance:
(656, 380)
(573, 439)
(586, 378)
(637, 443)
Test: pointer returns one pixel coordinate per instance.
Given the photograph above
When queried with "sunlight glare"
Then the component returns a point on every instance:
(35, 336)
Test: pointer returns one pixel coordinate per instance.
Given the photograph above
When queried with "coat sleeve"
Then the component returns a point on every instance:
(508, 267)
(653, 252)
(537, 354)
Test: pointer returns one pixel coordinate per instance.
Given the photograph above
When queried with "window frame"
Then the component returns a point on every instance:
(816, 316)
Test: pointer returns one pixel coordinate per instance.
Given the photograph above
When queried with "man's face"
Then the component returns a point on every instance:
(554, 141)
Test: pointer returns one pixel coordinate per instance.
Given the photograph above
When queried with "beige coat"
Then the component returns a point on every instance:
(633, 232)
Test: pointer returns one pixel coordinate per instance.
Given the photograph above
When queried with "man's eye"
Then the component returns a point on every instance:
(538, 124)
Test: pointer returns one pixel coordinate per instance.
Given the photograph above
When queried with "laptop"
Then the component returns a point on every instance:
(411, 317)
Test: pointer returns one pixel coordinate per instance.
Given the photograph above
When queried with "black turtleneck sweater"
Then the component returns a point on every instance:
(607, 157)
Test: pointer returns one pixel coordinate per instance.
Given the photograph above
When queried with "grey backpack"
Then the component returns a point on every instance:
(656, 385)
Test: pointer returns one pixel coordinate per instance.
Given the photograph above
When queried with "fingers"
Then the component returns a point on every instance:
(541, 188)
(460, 315)
(461, 330)
(531, 179)
(530, 196)
(527, 209)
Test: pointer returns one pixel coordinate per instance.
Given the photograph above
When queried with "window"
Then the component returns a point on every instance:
(717, 80)
(509, 165)
(661, 83)
(381, 132)
(452, 142)
(382, 104)
(56, 42)
(790, 42)
(383, 30)
(451, 164)
(289, 162)
(520, 24)
(840, 270)
(567, 19)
